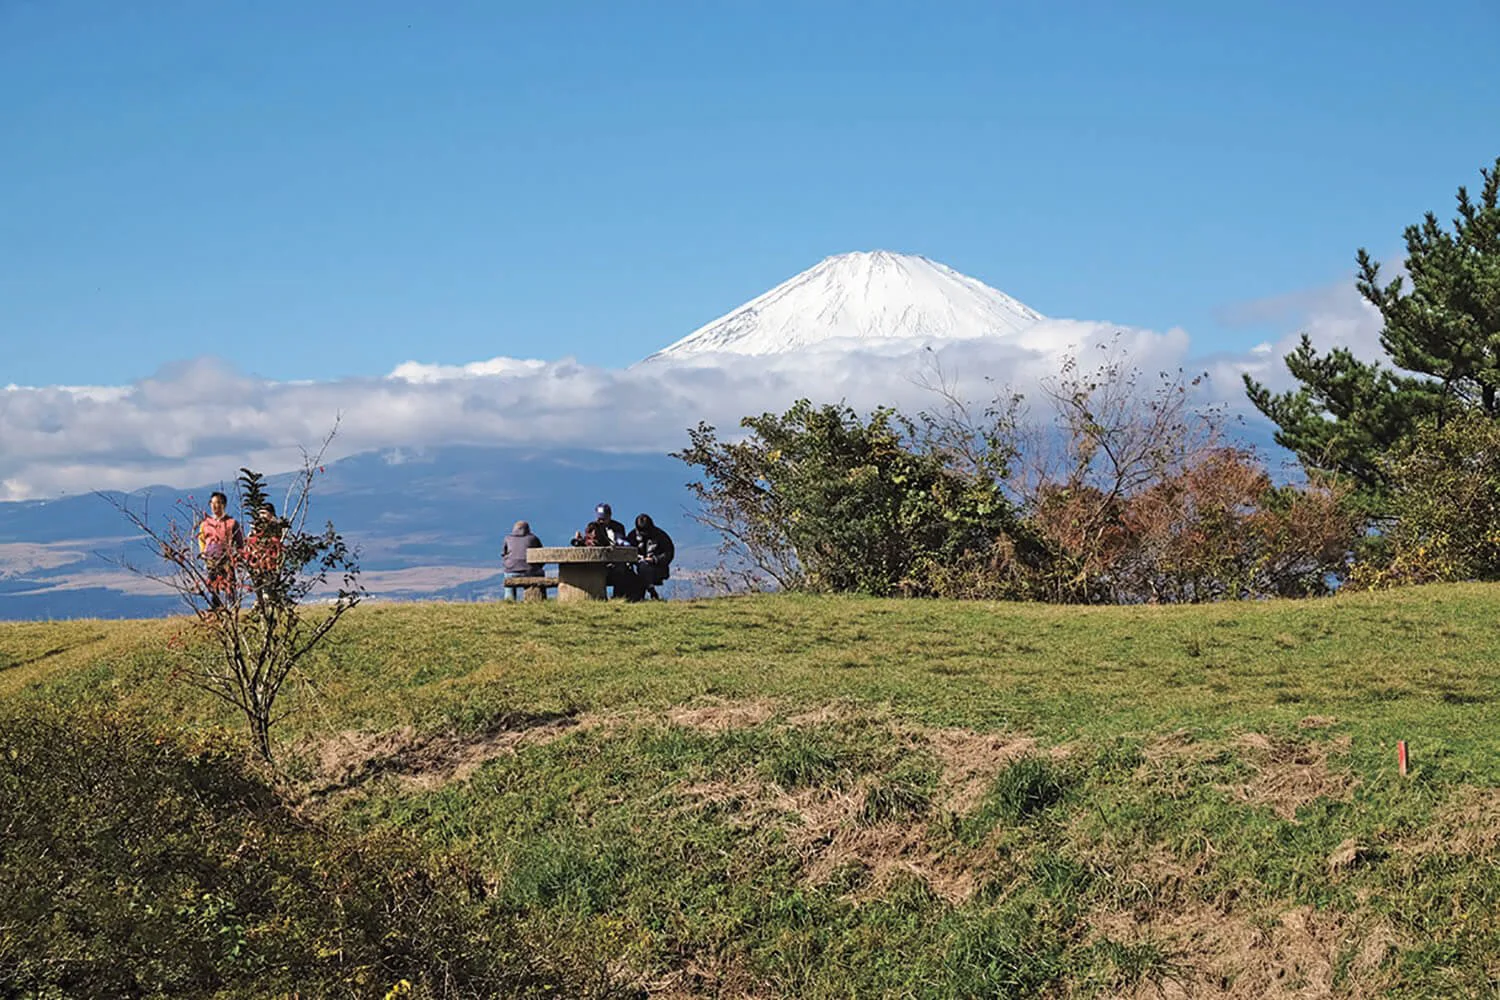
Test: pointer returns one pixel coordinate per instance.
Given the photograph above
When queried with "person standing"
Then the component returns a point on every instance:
(263, 553)
(513, 557)
(219, 542)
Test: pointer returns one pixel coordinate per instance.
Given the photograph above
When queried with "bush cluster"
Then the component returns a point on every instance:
(133, 865)
(1445, 492)
(1132, 499)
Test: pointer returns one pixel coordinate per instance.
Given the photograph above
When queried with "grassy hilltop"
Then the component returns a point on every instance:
(771, 796)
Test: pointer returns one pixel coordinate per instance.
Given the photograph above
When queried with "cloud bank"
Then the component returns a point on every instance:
(199, 421)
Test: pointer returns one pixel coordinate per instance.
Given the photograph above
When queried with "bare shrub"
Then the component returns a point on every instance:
(260, 605)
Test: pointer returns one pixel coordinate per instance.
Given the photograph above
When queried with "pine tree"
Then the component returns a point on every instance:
(1442, 334)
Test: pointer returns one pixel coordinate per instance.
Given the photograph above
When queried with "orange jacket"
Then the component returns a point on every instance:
(219, 536)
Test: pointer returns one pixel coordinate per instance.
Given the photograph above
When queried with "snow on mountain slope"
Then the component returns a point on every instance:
(870, 296)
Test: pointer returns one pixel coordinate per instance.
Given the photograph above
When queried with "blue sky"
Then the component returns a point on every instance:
(320, 191)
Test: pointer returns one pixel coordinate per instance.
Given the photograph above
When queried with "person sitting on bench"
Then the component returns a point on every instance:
(602, 530)
(656, 552)
(513, 557)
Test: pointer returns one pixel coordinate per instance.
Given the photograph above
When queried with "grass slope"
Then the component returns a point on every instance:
(821, 797)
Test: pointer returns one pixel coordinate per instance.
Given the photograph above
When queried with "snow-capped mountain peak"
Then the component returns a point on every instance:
(867, 296)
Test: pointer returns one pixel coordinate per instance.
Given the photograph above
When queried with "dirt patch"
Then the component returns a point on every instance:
(344, 761)
(887, 852)
(1468, 824)
(1175, 763)
(832, 837)
(345, 758)
(1223, 955)
(1170, 751)
(824, 832)
(971, 761)
(722, 717)
(709, 975)
(827, 831)
(1171, 745)
(1291, 773)
(824, 714)
(825, 827)
(1162, 879)
(1351, 854)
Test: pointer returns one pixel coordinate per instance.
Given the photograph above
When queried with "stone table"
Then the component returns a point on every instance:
(581, 569)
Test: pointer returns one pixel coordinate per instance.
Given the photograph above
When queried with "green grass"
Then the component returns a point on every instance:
(831, 797)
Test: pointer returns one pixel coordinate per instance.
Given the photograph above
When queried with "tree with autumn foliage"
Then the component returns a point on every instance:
(1123, 492)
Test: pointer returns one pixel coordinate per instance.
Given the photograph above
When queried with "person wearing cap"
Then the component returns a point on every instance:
(605, 530)
(513, 557)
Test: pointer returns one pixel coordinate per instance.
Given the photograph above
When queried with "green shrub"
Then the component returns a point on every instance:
(821, 498)
(134, 865)
(1445, 497)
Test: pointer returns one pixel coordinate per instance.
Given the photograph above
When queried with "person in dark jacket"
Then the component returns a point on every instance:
(602, 530)
(656, 552)
(513, 557)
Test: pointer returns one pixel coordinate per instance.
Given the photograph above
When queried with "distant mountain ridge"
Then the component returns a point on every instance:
(865, 296)
(429, 523)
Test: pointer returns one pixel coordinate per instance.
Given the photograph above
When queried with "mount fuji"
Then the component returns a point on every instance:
(873, 296)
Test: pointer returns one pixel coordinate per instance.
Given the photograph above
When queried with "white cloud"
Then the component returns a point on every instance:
(416, 371)
(1334, 316)
(199, 421)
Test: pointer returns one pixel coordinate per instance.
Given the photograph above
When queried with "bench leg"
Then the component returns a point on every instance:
(580, 582)
(536, 593)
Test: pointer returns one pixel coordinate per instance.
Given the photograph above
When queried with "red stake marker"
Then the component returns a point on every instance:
(1401, 756)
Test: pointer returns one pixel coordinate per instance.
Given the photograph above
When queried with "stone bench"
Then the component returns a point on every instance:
(536, 586)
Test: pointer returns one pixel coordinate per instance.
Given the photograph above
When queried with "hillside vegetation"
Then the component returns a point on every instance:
(770, 796)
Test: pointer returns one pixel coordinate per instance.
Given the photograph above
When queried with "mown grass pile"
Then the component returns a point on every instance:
(780, 796)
